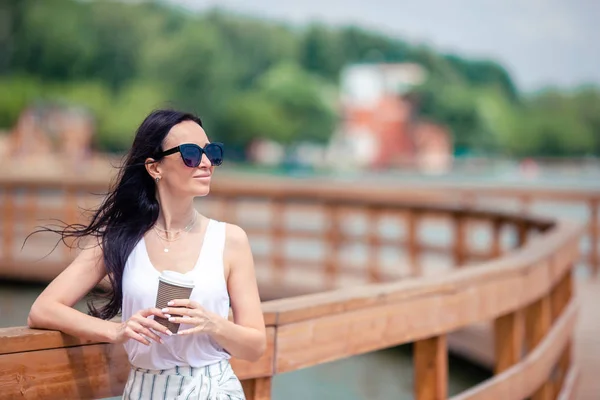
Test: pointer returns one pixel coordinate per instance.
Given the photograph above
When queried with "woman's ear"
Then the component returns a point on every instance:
(153, 168)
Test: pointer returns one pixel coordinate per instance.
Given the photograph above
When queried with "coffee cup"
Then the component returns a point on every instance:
(172, 285)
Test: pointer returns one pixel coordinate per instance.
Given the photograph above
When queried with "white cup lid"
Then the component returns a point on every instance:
(176, 278)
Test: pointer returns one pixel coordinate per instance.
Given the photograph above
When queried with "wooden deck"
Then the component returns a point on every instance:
(476, 343)
(527, 283)
(587, 342)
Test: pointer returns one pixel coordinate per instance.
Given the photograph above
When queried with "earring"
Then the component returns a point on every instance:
(157, 179)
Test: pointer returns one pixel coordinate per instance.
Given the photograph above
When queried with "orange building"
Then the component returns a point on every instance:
(49, 130)
(381, 124)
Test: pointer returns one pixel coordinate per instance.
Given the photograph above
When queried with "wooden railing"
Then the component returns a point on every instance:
(521, 280)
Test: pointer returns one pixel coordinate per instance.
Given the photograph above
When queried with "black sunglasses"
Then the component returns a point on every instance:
(191, 154)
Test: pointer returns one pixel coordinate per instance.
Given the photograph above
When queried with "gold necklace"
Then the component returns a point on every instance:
(185, 230)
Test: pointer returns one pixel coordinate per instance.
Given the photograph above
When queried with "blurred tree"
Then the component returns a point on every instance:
(247, 77)
(288, 105)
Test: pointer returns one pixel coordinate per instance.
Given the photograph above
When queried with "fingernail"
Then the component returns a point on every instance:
(164, 309)
(169, 333)
(171, 319)
(167, 315)
(170, 303)
(161, 341)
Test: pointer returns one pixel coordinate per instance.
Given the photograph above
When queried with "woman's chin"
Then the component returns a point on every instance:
(201, 189)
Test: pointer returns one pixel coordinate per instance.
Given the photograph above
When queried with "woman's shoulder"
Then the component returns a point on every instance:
(235, 235)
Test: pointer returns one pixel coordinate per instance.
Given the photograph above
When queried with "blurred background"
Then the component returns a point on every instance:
(468, 91)
(312, 87)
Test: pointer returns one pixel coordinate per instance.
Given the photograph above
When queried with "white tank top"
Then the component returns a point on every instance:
(140, 283)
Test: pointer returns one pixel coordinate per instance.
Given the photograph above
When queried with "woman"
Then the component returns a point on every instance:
(148, 224)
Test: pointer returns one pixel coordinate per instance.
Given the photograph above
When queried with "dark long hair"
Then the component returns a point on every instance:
(129, 209)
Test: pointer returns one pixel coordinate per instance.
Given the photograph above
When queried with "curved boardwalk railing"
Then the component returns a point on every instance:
(522, 281)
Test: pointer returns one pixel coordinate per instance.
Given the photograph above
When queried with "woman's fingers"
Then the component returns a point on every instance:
(136, 336)
(184, 303)
(179, 311)
(184, 320)
(152, 311)
(152, 324)
(141, 329)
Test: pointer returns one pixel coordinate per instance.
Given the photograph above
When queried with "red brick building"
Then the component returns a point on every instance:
(379, 124)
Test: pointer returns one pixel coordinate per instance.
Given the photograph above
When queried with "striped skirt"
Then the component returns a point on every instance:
(213, 382)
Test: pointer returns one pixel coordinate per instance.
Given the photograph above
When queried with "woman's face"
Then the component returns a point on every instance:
(178, 178)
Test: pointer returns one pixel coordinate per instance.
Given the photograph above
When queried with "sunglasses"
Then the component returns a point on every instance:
(191, 154)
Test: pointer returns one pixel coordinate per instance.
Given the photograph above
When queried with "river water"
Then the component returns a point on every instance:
(386, 374)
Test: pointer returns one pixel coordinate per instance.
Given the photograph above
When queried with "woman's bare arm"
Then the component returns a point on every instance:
(246, 337)
(53, 309)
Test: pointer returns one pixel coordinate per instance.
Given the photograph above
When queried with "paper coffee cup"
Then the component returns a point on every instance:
(172, 285)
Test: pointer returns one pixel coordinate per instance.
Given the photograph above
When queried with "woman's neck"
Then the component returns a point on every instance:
(175, 214)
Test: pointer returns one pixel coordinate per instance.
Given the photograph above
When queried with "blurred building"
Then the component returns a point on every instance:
(379, 127)
(49, 131)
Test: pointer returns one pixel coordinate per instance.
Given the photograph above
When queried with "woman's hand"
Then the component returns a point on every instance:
(191, 313)
(140, 327)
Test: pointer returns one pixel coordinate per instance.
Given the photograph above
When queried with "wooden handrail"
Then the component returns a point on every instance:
(525, 289)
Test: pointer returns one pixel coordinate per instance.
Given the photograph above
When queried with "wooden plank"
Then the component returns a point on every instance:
(501, 297)
(496, 242)
(431, 368)
(538, 317)
(333, 242)
(276, 236)
(530, 267)
(508, 340)
(90, 371)
(413, 245)
(523, 379)
(22, 339)
(80, 372)
(258, 388)
(460, 248)
(373, 240)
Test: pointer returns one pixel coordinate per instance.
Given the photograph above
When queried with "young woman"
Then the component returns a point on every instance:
(148, 224)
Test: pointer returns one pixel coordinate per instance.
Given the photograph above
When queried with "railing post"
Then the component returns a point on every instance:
(31, 201)
(257, 388)
(508, 340)
(460, 239)
(538, 321)
(412, 226)
(373, 239)
(496, 245)
(560, 298)
(333, 242)
(431, 368)
(276, 235)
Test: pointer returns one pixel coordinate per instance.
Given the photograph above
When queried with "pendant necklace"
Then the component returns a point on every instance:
(179, 232)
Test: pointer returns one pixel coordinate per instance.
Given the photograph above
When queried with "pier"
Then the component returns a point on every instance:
(345, 270)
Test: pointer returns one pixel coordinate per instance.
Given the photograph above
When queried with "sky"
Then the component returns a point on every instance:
(540, 42)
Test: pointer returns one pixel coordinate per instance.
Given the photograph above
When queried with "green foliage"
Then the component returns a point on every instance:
(249, 78)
